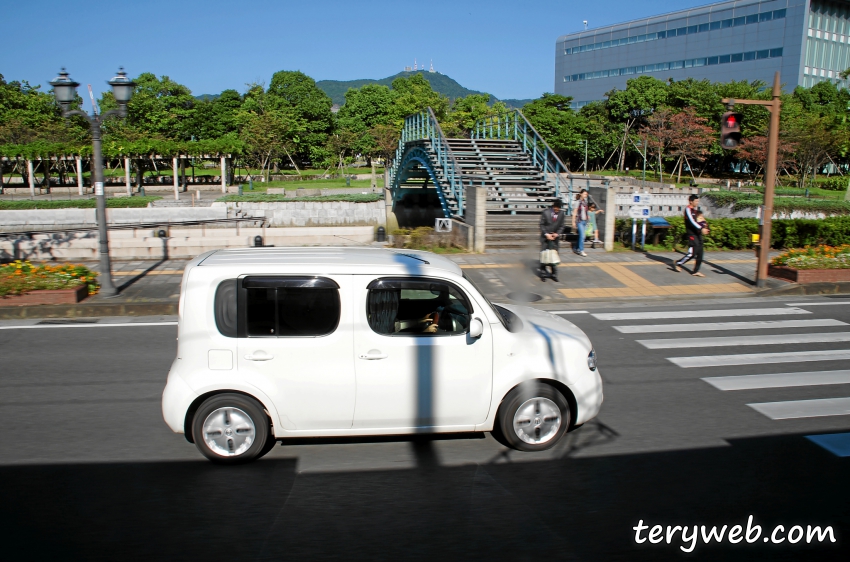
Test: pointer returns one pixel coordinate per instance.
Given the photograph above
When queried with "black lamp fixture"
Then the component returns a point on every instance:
(64, 89)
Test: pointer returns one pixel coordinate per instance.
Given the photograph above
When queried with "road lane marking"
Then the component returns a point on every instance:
(737, 341)
(817, 303)
(567, 312)
(123, 324)
(709, 326)
(700, 314)
(794, 409)
(779, 380)
(760, 358)
(836, 443)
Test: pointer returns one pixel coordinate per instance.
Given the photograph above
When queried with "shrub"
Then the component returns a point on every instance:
(22, 276)
(835, 184)
(280, 198)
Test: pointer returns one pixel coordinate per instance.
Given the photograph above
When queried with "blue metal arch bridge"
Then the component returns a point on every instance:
(431, 173)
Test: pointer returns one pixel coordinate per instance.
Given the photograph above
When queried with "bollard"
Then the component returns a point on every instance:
(381, 235)
(240, 189)
(258, 241)
(250, 184)
(347, 181)
(142, 190)
(162, 234)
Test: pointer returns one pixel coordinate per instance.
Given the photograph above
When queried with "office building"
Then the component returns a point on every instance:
(808, 41)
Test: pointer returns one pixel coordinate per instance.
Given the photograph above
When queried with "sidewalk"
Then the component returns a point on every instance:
(152, 287)
(511, 276)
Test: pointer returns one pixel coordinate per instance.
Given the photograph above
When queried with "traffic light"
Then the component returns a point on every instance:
(730, 130)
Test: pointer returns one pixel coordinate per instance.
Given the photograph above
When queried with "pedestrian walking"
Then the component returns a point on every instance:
(580, 218)
(694, 232)
(552, 223)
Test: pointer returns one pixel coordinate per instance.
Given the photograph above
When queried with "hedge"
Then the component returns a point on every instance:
(112, 203)
(736, 234)
(784, 205)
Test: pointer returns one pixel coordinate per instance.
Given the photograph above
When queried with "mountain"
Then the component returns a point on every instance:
(439, 82)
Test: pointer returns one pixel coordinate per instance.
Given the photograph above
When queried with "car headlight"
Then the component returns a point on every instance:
(591, 360)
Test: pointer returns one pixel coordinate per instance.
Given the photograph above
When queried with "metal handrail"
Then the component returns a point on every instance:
(515, 126)
(424, 126)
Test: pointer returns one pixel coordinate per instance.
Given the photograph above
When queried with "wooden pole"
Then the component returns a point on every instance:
(769, 183)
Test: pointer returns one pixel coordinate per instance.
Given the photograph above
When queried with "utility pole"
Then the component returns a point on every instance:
(775, 107)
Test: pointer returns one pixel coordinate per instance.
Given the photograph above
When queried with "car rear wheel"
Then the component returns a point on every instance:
(533, 417)
(231, 428)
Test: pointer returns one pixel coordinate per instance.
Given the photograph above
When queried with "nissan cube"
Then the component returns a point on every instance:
(277, 343)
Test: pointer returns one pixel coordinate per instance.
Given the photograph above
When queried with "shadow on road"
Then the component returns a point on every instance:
(575, 507)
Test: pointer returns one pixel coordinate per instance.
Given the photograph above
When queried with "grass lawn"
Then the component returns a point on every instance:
(276, 198)
(112, 203)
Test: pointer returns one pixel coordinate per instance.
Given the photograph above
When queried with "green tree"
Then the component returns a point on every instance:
(414, 94)
(634, 105)
(159, 108)
(295, 91)
(212, 119)
(556, 122)
(467, 111)
(364, 109)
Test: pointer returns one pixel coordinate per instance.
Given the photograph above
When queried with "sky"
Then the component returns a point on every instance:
(503, 47)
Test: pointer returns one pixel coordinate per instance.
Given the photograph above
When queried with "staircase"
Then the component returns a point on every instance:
(505, 155)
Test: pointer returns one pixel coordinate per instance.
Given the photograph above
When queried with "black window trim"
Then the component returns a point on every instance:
(279, 281)
(375, 285)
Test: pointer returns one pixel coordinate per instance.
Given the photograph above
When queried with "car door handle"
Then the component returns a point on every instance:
(262, 357)
(372, 355)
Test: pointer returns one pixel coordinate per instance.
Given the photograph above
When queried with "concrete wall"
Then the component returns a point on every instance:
(310, 213)
(180, 242)
(11, 221)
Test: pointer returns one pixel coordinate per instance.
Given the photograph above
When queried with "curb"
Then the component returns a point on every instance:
(807, 289)
(88, 310)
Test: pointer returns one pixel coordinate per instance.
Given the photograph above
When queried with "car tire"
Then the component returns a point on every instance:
(231, 429)
(533, 417)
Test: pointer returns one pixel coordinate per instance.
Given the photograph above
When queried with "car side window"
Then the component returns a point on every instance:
(417, 307)
(288, 306)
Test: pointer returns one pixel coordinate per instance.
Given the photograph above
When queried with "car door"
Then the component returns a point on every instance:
(295, 343)
(416, 364)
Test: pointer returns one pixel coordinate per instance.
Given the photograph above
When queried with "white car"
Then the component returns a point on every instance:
(275, 343)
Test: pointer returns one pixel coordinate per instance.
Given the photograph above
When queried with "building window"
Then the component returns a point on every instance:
(725, 59)
(689, 30)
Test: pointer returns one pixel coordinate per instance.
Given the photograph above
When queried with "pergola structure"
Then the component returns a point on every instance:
(178, 163)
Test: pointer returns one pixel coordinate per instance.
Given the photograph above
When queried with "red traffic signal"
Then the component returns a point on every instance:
(730, 130)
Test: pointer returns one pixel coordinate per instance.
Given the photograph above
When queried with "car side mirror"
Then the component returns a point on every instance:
(476, 328)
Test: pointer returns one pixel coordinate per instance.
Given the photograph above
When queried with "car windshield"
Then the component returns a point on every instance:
(493, 307)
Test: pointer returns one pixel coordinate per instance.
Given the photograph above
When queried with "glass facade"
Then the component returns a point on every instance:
(827, 44)
(673, 31)
(688, 63)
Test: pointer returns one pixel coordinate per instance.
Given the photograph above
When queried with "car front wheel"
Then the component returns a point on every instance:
(532, 417)
(231, 428)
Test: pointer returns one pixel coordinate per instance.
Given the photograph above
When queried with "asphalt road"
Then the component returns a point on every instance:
(90, 471)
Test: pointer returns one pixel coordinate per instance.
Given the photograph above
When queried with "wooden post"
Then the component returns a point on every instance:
(127, 176)
(176, 178)
(769, 183)
(32, 179)
(80, 189)
(223, 175)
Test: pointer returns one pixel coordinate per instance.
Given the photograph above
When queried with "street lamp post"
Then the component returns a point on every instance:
(65, 91)
(585, 156)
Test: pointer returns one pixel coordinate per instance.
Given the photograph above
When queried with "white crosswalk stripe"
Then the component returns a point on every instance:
(760, 358)
(724, 326)
(735, 341)
(702, 313)
(804, 408)
(779, 380)
(753, 333)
